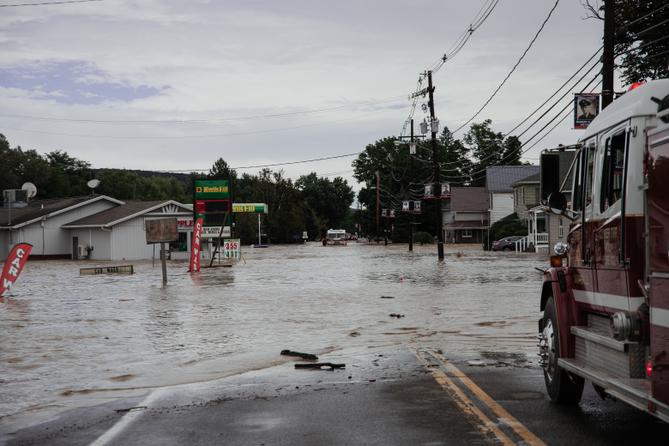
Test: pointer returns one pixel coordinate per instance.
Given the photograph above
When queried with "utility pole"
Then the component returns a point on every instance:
(378, 203)
(608, 57)
(411, 170)
(435, 161)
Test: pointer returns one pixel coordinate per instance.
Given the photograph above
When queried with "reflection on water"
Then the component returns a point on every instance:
(65, 336)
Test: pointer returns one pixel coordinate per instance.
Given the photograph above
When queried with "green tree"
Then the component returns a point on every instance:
(490, 148)
(330, 201)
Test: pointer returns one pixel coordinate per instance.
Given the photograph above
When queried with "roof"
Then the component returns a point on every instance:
(501, 178)
(475, 224)
(38, 209)
(127, 211)
(633, 103)
(532, 179)
(469, 199)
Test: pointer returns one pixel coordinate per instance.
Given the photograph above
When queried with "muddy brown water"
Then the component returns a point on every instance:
(69, 340)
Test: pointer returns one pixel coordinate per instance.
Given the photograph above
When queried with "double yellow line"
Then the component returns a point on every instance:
(443, 371)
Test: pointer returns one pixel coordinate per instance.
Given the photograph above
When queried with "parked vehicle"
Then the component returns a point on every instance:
(606, 309)
(506, 243)
(335, 237)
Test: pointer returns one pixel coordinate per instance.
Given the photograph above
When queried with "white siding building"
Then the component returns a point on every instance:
(40, 223)
(499, 184)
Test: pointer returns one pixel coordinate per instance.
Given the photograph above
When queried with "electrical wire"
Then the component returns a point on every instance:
(499, 87)
(62, 2)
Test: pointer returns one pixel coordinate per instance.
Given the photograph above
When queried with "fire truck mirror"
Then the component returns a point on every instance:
(557, 202)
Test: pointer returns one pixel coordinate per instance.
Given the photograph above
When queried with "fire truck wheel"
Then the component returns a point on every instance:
(563, 387)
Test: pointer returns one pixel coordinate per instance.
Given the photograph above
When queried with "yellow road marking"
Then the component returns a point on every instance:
(502, 414)
(465, 404)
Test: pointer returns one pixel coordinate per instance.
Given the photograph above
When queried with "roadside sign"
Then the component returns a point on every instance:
(215, 231)
(118, 269)
(249, 208)
(232, 248)
(161, 230)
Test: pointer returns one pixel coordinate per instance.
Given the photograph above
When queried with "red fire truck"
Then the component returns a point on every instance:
(605, 298)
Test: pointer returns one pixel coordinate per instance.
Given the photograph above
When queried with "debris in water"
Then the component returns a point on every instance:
(387, 297)
(130, 408)
(320, 366)
(476, 363)
(307, 356)
(354, 334)
(397, 315)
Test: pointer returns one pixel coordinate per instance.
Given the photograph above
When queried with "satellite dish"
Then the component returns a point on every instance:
(30, 188)
(92, 184)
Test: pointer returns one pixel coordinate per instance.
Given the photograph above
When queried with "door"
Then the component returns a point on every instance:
(657, 221)
(75, 248)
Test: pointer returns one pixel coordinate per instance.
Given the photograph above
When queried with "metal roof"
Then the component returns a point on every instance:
(38, 209)
(501, 178)
(122, 213)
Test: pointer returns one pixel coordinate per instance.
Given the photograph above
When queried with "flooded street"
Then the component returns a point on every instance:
(71, 340)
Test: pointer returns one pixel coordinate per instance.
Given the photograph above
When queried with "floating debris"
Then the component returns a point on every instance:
(397, 315)
(299, 354)
(320, 366)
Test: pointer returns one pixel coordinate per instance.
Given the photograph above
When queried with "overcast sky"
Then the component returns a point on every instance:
(215, 74)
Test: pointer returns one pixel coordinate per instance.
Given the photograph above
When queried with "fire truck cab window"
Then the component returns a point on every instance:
(612, 171)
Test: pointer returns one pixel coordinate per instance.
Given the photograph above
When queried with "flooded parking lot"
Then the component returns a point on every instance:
(71, 340)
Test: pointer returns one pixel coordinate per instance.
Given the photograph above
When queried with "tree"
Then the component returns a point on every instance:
(490, 148)
(640, 37)
(457, 165)
(329, 200)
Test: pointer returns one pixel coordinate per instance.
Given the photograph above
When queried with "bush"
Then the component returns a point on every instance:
(423, 237)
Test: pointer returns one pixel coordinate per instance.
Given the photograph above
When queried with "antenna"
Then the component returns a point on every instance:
(93, 184)
(30, 188)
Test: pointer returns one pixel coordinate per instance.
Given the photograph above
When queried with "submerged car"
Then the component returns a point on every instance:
(506, 243)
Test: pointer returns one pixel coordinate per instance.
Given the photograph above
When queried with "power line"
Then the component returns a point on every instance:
(536, 35)
(203, 121)
(478, 20)
(63, 2)
(285, 163)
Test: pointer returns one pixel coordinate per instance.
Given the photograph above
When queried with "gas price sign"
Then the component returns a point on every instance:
(212, 204)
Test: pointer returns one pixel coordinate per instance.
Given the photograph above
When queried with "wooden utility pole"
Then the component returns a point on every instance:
(378, 203)
(608, 56)
(411, 224)
(437, 173)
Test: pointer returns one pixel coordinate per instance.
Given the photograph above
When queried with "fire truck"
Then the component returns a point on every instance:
(605, 298)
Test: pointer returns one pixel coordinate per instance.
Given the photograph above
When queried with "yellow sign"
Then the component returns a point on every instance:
(249, 208)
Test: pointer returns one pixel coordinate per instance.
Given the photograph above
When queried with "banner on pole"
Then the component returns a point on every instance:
(586, 108)
(16, 260)
(195, 249)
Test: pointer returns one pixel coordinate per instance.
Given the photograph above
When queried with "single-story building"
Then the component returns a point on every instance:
(95, 227)
(119, 233)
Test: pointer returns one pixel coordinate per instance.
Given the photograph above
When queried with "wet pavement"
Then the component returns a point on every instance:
(199, 359)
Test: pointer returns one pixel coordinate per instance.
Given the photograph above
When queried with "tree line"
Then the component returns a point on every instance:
(311, 203)
(403, 176)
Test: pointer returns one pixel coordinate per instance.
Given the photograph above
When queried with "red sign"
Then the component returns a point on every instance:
(195, 251)
(14, 265)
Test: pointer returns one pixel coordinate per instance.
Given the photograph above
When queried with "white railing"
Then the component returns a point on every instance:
(538, 241)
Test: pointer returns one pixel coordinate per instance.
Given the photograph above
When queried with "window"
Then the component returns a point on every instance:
(612, 171)
(466, 233)
(560, 228)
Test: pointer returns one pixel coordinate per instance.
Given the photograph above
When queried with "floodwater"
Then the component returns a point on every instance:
(68, 340)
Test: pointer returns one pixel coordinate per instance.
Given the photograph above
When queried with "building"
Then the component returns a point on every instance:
(499, 185)
(118, 233)
(466, 215)
(95, 227)
(40, 223)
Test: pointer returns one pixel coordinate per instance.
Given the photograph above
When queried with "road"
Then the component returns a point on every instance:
(387, 395)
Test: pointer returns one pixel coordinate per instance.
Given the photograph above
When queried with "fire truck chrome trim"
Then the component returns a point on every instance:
(608, 300)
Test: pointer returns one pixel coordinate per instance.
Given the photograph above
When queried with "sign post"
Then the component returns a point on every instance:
(162, 230)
